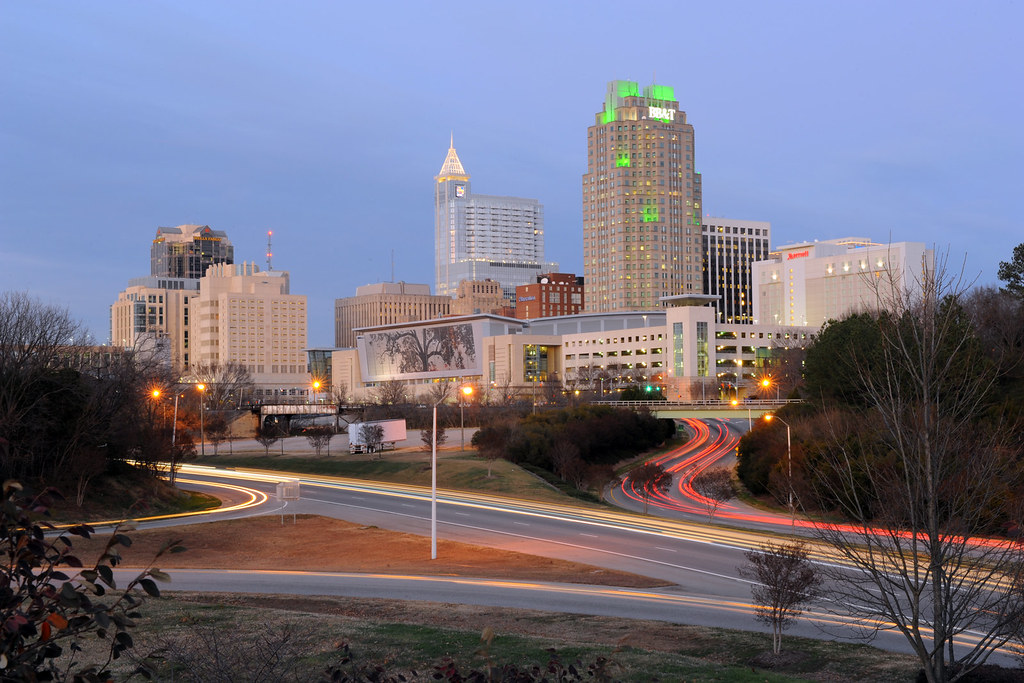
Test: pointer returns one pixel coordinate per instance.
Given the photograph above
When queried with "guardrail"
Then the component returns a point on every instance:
(716, 405)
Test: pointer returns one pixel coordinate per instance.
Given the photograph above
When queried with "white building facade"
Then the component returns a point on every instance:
(810, 283)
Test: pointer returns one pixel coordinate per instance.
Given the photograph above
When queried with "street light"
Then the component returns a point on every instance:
(202, 426)
(767, 383)
(316, 388)
(789, 461)
(433, 481)
(467, 391)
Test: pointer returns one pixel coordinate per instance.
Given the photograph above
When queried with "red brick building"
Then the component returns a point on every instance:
(552, 294)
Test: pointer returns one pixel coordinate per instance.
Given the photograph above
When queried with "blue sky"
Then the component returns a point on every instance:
(326, 122)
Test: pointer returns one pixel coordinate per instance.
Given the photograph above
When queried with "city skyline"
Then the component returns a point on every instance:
(321, 123)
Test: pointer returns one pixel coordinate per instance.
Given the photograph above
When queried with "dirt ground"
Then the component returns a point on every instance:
(323, 544)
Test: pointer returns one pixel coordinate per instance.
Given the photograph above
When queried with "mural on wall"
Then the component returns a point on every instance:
(434, 349)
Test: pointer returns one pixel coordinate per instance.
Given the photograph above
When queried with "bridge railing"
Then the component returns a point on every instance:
(715, 405)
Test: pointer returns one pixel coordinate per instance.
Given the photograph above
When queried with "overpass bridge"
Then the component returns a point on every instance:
(704, 409)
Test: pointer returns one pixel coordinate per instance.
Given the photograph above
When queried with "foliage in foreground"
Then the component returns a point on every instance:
(44, 610)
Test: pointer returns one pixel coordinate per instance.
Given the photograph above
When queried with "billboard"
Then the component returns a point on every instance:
(424, 352)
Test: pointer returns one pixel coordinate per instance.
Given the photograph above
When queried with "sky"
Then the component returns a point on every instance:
(326, 122)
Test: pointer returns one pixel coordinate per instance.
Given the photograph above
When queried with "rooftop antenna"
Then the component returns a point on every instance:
(270, 253)
(392, 265)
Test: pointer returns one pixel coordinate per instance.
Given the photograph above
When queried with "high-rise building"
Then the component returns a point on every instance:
(484, 237)
(730, 248)
(385, 303)
(810, 283)
(250, 317)
(186, 251)
(641, 202)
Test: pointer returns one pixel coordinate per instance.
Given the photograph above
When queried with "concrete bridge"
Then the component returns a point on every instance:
(704, 409)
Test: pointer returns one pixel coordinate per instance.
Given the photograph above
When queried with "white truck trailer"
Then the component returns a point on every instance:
(361, 440)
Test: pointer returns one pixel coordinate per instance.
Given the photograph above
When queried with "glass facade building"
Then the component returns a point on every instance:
(484, 237)
(186, 251)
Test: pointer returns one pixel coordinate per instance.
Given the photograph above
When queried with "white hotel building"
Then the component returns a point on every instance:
(810, 283)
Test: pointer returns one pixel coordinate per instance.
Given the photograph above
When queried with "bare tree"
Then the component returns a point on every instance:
(565, 459)
(372, 435)
(506, 393)
(228, 385)
(266, 436)
(217, 429)
(391, 392)
(319, 437)
(714, 486)
(649, 478)
(339, 393)
(922, 468)
(600, 477)
(427, 437)
(784, 582)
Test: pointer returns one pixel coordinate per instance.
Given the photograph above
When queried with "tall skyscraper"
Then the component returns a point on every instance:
(484, 237)
(641, 202)
(730, 248)
(186, 251)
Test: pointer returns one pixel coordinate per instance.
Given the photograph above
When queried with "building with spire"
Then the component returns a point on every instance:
(484, 237)
(641, 202)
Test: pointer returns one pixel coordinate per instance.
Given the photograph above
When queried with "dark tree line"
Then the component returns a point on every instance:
(68, 411)
(569, 440)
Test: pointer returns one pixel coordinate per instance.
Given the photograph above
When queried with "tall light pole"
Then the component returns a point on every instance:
(789, 461)
(316, 388)
(433, 482)
(202, 415)
(467, 391)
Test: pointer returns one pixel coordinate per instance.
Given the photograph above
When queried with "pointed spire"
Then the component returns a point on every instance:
(452, 167)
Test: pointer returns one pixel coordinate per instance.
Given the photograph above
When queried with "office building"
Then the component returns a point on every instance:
(641, 202)
(186, 251)
(247, 316)
(385, 303)
(729, 248)
(809, 283)
(484, 237)
(155, 310)
(553, 294)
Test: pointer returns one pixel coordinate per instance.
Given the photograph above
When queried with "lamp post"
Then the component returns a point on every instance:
(433, 483)
(466, 391)
(316, 388)
(202, 418)
(767, 383)
(789, 461)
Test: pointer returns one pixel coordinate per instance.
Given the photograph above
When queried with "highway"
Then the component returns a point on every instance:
(699, 560)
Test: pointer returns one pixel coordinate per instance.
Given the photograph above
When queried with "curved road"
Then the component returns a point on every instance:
(700, 561)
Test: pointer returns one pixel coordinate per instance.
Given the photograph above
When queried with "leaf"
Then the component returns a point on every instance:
(57, 620)
(122, 539)
(107, 575)
(150, 587)
(159, 575)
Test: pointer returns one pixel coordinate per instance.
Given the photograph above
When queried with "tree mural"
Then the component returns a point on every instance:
(427, 349)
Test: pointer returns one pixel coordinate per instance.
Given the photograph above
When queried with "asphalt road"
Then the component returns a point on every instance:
(699, 560)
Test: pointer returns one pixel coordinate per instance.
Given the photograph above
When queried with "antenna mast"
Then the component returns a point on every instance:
(270, 253)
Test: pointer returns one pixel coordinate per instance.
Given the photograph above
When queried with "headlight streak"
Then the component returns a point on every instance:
(654, 597)
(690, 532)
